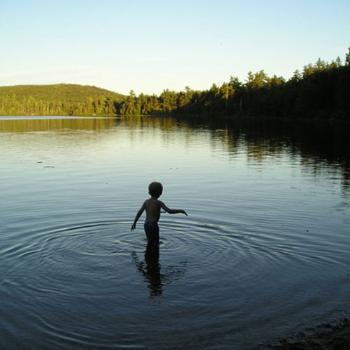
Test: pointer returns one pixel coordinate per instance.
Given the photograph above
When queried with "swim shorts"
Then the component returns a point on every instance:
(152, 232)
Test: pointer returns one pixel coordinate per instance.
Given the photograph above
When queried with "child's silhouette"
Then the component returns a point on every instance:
(153, 207)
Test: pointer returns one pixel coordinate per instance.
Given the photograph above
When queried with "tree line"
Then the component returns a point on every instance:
(320, 90)
(57, 99)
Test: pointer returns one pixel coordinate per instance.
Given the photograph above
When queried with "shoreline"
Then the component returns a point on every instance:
(211, 118)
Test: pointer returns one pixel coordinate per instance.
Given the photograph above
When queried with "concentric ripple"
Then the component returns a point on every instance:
(96, 271)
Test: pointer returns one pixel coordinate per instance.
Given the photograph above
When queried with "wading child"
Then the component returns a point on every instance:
(153, 207)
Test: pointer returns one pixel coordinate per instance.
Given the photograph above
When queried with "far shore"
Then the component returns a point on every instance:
(213, 117)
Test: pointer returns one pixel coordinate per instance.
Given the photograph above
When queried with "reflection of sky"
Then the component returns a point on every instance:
(145, 147)
(118, 154)
(133, 152)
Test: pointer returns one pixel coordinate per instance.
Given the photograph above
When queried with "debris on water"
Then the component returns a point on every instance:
(48, 166)
(40, 162)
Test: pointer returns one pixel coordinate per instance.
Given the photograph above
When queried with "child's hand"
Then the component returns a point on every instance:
(133, 226)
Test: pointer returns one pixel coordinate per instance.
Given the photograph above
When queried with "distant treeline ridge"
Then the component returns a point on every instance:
(321, 90)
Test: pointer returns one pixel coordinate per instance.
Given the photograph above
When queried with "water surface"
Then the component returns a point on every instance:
(263, 253)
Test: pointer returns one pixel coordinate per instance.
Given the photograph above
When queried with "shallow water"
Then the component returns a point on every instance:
(263, 253)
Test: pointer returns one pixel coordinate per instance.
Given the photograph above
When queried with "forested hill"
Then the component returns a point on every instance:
(57, 99)
(320, 91)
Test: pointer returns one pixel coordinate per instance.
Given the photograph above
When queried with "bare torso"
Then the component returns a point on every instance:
(152, 207)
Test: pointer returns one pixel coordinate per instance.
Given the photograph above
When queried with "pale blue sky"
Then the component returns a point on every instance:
(151, 45)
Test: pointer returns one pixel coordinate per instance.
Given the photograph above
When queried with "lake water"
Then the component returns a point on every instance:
(263, 253)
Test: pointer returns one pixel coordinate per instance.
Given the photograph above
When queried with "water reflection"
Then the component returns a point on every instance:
(318, 147)
(151, 269)
(267, 222)
(31, 124)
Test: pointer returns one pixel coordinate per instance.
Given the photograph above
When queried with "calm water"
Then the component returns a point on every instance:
(263, 253)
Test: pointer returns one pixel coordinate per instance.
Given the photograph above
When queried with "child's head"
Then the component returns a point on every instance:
(155, 189)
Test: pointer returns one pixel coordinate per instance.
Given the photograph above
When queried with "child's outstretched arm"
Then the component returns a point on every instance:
(172, 211)
(139, 213)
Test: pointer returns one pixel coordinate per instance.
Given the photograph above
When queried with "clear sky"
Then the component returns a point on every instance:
(151, 45)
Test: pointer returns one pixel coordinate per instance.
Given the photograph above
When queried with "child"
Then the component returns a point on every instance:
(153, 207)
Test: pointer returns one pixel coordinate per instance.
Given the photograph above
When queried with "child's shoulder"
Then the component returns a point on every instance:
(153, 201)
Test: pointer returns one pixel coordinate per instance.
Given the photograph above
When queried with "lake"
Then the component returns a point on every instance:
(264, 252)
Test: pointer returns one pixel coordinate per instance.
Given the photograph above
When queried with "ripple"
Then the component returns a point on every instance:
(72, 251)
(90, 268)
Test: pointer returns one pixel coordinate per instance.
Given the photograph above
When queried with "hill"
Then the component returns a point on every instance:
(57, 99)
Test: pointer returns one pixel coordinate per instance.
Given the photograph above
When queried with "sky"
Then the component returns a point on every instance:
(147, 46)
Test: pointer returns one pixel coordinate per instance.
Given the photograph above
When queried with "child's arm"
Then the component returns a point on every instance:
(172, 211)
(139, 213)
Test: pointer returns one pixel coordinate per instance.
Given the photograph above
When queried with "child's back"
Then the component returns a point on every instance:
(153, 207)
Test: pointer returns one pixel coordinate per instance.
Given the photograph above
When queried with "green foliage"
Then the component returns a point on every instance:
(321, 90)
(347, 57)
(59, 99)
(257, 80)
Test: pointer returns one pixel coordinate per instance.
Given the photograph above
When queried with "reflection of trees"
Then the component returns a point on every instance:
(48, 124)
(319, 147)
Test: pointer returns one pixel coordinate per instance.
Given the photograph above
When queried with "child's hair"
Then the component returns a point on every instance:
(155, 189)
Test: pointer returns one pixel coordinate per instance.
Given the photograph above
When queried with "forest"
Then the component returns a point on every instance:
(320, 91)
(57, 99)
